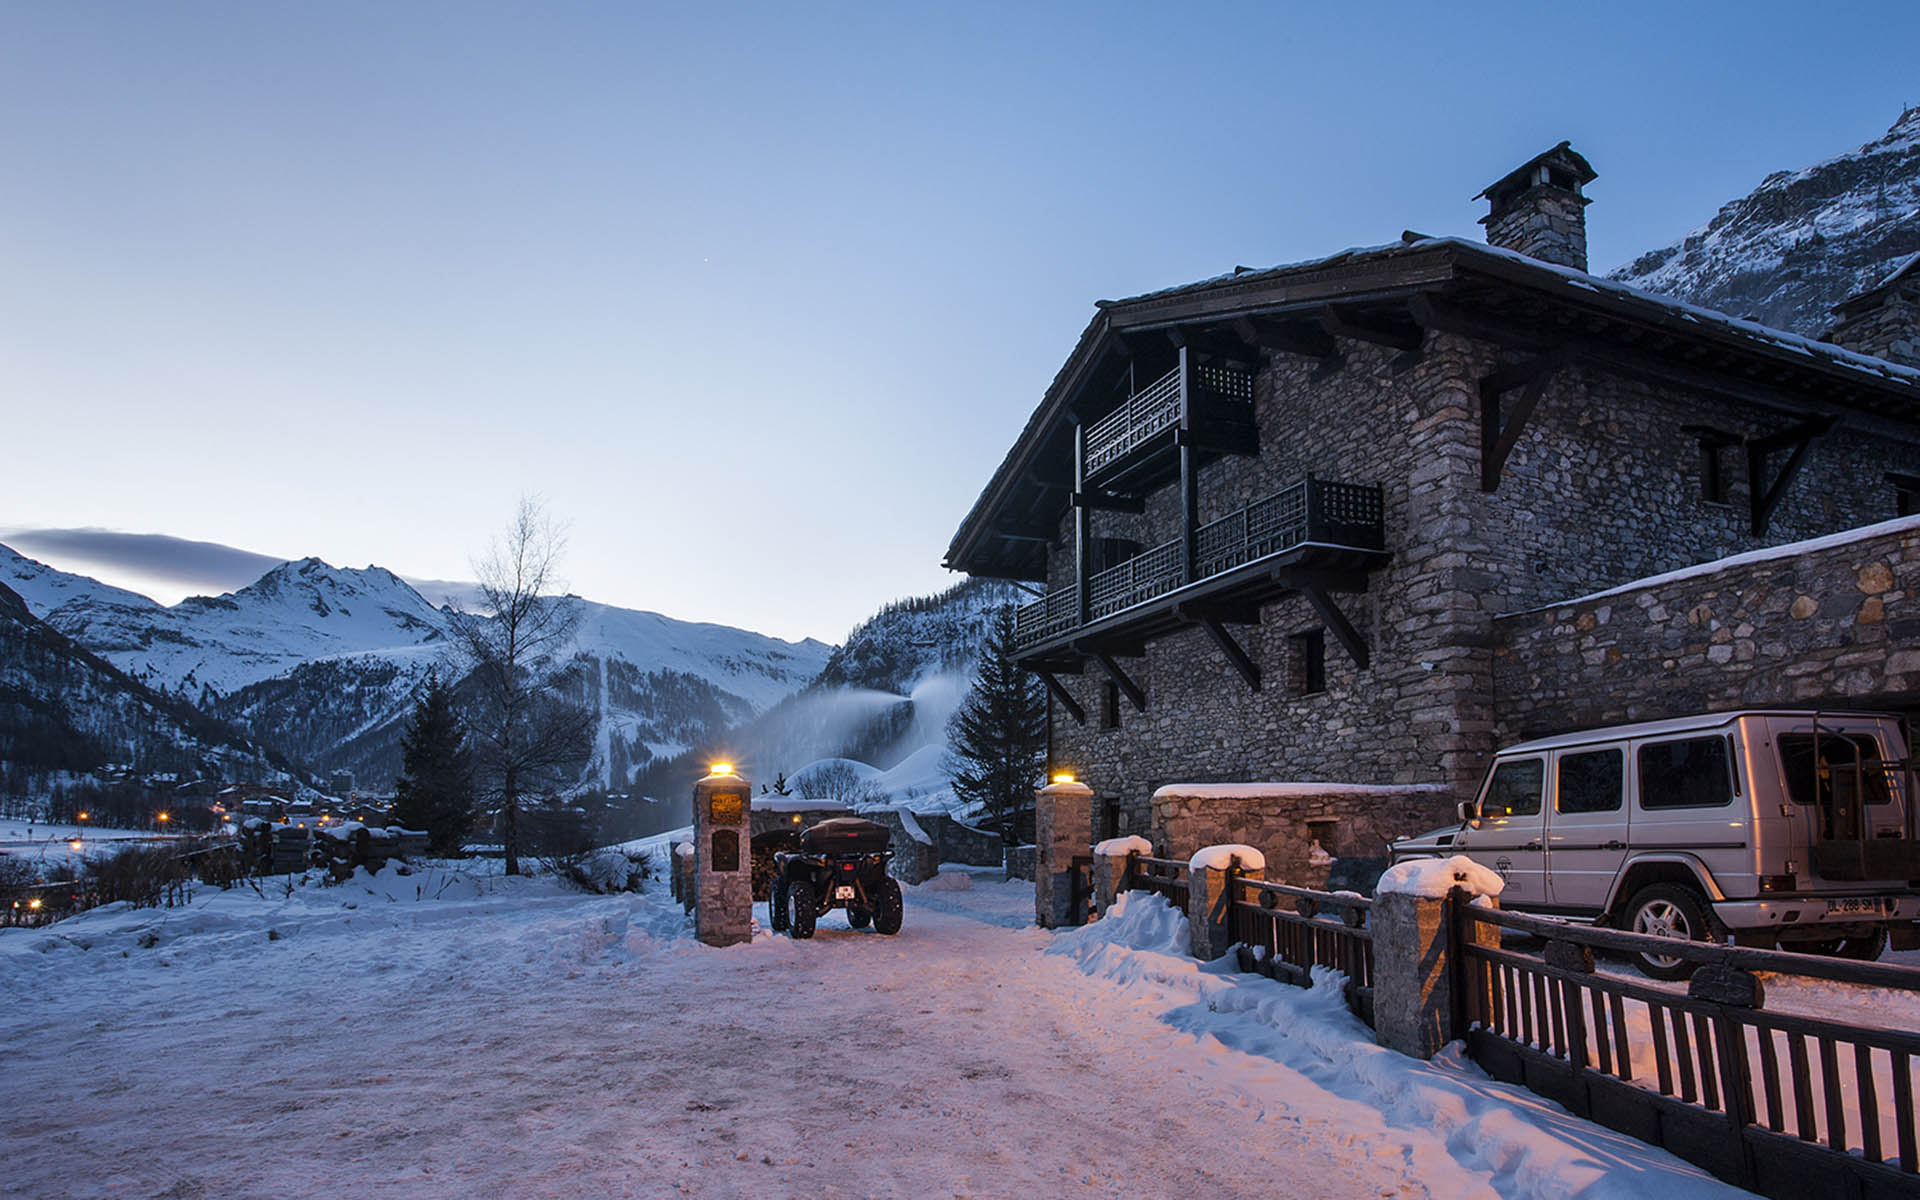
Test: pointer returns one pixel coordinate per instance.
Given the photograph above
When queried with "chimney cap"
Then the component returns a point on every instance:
(1563, 157)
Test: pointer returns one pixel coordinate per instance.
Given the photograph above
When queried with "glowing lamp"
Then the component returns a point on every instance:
(1063, 777)
(721, 768)
(34, 903)
(163, 816)
(74, 844)
(83, 816)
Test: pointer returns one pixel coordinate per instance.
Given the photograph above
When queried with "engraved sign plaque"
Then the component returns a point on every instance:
(726, 808)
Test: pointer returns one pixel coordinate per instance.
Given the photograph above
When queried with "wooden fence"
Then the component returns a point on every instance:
(1164, 876)
(1282, 932)
(1786, 1104)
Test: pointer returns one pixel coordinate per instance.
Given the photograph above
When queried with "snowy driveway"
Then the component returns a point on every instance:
(453, 1037)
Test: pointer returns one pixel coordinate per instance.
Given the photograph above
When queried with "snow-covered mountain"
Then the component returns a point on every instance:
(322, 662)
(1801, 242)
(64, 710)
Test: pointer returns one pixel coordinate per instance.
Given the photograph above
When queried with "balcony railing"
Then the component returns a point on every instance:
(1340, 516)
(1145, 413)
(1156, 409)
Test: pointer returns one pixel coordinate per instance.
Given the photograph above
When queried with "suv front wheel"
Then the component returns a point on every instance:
(1667, 910)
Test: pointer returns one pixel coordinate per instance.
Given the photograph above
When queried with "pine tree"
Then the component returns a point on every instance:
(435, 788)
(999, 735)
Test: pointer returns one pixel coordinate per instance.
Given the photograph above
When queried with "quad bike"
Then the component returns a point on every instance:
(841, 862)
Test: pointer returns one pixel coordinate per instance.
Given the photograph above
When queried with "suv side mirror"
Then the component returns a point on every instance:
(1469, 811)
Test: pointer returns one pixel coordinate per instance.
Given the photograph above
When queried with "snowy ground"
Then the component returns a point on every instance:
(450, 1034)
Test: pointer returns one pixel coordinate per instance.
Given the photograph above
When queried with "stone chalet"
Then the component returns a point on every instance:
(1324, 523)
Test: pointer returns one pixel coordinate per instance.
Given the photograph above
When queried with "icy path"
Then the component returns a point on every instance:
(439, 1036)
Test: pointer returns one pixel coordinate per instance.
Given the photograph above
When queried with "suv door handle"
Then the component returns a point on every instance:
(1533, 845)
(1615, 845)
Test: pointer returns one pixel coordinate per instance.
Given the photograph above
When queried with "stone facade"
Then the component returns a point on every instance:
(1314, 836)
(1604, 486)
(1836, 624)
(1889, 329)
(1538, 210)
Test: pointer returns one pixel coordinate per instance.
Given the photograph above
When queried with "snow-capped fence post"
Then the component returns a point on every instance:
(1415, 975)
(1112, 864)
(1063, 828)
(1209, 899)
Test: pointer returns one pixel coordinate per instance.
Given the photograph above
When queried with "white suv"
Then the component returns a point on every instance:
(1781, 828)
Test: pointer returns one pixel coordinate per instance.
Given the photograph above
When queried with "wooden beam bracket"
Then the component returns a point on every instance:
(1500, 432)
(1394, 337)
(1061, 694)
(1343, 631)
(1287, 338)
(1127, 686)
(1766, 495)
(1236, 654)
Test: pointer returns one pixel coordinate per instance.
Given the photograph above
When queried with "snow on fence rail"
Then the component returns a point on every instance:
(1162, 876)
(1781, 1103)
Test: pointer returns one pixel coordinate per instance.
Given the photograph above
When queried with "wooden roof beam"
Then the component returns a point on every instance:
(1287, 337)
(1348, 325)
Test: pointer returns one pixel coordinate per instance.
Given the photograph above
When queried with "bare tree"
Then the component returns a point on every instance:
(526, 731)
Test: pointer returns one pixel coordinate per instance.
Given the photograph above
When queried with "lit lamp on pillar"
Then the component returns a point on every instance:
(1063, 831)
(722, 858)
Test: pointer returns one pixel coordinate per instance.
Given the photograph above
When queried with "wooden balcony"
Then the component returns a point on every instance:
(1132, 445)
(1316, 523)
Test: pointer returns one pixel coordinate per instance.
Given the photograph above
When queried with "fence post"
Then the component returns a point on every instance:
(1113, 863)
(1419, 974)
(1210, 898)
(1063, 828)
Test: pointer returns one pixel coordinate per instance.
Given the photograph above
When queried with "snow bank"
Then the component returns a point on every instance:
(1433, 878)
(1120, 847)
(948, 881)
(1219, 858)
(1444, 1116)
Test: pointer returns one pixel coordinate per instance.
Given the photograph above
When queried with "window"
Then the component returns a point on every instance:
(1688, 773)
(1515, 789)
(1906, 493)
(1309, 662)
(1591, 782)
(1846, 765)
(1713, 464)
(1110, 706)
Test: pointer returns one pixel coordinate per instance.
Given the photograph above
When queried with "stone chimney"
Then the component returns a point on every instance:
(1883, 320)
(1538, 210)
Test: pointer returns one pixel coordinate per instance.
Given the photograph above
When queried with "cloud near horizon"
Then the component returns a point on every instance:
(168, 568)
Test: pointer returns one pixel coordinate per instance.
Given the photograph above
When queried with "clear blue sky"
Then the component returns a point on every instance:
(756, 296)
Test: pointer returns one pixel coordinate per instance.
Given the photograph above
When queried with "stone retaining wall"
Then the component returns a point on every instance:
(1836, 623)
(1313, 835)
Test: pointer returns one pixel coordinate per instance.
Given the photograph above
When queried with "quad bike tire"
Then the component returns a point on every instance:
(887, 906)
(777, 905)
(859, 918)
(803, 909)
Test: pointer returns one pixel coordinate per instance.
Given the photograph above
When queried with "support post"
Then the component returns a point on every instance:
(1209, 899)
(1417, 971)
(1082, 530)
(1063, 828)
(722, 860)
(1112, 864)
(1189, 482)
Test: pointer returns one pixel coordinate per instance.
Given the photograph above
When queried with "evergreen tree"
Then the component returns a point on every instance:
(999, 735)
(435, 788)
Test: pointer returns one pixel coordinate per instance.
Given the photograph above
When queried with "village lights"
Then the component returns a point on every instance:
(83, 816)
(161, 817)
(34, 904)
(75, 844)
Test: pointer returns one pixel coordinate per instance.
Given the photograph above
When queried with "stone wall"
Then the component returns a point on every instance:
(1314, 835)
(960, 843)
(1837, 623)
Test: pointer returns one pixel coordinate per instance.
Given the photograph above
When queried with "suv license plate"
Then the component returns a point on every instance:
(843, 893)
(1861, 904)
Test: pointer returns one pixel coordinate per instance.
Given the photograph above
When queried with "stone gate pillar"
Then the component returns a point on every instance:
(1063, 828)
(722, 858)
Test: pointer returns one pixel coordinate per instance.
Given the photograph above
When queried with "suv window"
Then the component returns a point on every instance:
(1811, 779)
(1687, 773)
(1590, 782)
(1515, 789)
